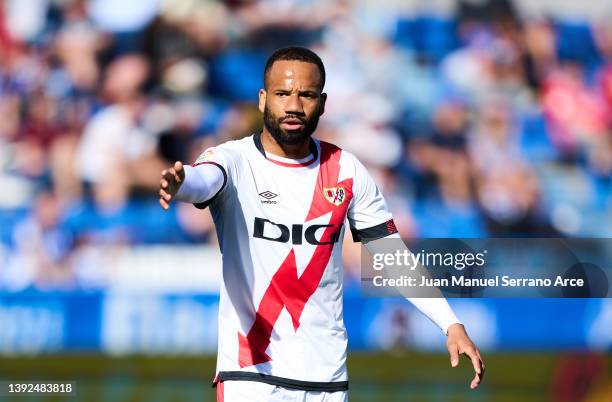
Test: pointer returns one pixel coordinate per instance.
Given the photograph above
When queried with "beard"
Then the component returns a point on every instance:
(297, 137)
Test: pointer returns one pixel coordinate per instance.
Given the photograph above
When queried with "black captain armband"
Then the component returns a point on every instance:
(375, 232)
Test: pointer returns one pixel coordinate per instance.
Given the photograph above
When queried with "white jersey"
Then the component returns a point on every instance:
(280, 225)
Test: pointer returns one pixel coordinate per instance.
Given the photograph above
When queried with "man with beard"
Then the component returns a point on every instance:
(279, 200)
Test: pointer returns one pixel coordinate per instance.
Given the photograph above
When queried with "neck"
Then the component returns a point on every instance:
(297, 151)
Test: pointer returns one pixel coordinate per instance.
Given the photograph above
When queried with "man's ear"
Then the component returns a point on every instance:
(262, 100)
(322, 107)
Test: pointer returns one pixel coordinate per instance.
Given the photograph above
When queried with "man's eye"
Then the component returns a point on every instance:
(281, 94)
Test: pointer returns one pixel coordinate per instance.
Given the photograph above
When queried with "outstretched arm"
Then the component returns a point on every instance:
(439, 311)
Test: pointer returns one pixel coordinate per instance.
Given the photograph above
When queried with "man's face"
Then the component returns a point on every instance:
(292, 101)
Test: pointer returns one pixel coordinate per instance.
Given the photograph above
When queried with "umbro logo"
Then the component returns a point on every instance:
(268, 197)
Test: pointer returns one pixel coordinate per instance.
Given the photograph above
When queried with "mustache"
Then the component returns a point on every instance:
(292, 117)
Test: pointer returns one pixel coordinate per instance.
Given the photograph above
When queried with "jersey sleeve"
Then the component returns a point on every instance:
(368, 215)
(221, 159)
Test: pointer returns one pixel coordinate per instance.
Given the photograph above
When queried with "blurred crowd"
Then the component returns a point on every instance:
(476, 118)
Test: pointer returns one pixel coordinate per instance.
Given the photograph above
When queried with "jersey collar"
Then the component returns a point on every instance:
(312, 147)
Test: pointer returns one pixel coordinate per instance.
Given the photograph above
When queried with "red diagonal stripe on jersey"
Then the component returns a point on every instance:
(252, 348)
(220, 392)
(286, 289)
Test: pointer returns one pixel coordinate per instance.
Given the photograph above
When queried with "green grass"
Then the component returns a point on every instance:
(406, 376)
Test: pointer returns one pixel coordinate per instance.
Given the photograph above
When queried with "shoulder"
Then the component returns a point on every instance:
(345, 158)
(229, 151)
(333, 148)
(235, 146)
(328, 149)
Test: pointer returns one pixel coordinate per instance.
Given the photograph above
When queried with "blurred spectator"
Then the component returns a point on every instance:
(113, 142)
(41, 249)
(575, 114)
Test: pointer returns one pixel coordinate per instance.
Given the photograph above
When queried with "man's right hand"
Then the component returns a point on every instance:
(170, 183)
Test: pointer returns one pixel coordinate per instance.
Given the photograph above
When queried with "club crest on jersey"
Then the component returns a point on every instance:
(335, 195)
(206, 155)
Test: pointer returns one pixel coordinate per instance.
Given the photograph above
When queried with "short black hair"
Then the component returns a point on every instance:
(297, 53)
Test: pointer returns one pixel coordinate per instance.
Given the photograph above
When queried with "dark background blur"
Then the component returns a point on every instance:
(476, 118)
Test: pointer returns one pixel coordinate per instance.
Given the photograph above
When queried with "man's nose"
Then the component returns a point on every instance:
(294, 104)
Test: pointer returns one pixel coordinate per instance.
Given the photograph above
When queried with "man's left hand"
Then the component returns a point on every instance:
(458, 343)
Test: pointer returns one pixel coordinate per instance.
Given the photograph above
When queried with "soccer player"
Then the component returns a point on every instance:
(279, 200)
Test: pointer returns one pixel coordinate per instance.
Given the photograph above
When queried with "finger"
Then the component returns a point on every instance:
(163, 183)
(475, 382)
(173, 176)
(482, 365)
(176, 175)
(167, 174)
(165, 195)
(471, 353)
(178, 166)
(163, 204)
(180, 170)
(454, 355)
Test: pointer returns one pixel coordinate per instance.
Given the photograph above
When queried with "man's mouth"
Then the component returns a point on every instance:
(292, 124)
